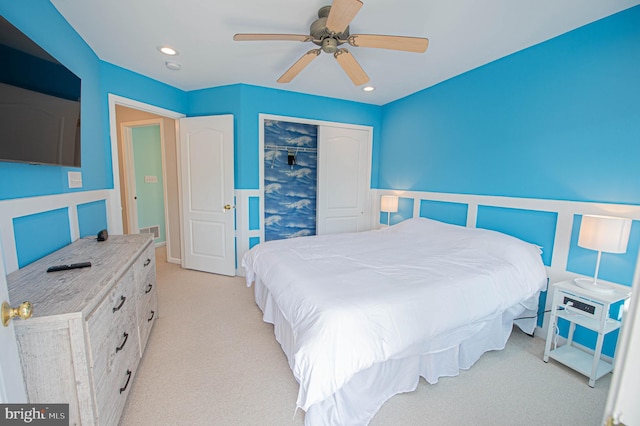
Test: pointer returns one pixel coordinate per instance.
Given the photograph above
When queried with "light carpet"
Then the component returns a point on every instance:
(211, 360)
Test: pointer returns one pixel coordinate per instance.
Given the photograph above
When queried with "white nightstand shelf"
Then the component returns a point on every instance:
(590, 310)
(580, 361)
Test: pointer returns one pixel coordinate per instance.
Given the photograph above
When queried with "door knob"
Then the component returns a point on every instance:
(24, 311)
(228, 207)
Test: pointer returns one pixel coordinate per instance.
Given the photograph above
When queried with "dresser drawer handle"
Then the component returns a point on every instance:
(147, 262)
(124, 342)
(151, 317)
(148, 288)
(126, 384)
(122, 300)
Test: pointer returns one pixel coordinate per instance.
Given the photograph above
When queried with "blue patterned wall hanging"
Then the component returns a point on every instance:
(290, 179)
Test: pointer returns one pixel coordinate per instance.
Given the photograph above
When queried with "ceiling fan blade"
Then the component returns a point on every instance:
(351, 67)
(261, 37)
(341, 14)
(408, 44)
(295, 69)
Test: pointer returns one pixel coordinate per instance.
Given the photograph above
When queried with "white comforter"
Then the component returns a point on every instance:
(361, 298)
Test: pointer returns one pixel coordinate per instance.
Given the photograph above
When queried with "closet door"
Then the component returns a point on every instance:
(344, 176)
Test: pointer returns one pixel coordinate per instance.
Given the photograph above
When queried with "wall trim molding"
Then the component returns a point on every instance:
(565, 210)
(18, 207)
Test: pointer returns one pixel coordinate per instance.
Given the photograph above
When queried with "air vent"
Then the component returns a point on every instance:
(155, 230)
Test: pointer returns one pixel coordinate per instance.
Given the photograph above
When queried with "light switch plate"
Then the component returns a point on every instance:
(75, 179)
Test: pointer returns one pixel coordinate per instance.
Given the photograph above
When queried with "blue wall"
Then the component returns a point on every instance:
(246, 102)
(44, 25)
(40, 21)
(538, 123)
(54, 223)
(560, 120)
(92, 218)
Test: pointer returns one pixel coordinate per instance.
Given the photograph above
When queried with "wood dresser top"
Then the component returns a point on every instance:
(75, 292)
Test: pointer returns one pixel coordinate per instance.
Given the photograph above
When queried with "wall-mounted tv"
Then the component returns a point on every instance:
(39, 103)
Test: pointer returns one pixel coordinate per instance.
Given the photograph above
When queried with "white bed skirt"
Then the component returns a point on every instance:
(359, 400)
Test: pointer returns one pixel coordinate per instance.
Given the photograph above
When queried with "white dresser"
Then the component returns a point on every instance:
(89, 327)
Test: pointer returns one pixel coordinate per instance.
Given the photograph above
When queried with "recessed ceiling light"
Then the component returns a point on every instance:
(168, 50)
(368, 88)
(174, 66)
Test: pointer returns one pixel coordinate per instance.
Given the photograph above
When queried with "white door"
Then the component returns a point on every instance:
(344, 175)
(207, 194)
(11, 382)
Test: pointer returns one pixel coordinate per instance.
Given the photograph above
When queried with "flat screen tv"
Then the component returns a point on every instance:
(39, 103)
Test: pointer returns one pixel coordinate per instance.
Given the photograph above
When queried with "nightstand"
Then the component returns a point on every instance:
(588, 309)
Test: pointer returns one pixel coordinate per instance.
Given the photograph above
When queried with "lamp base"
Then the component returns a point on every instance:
(588, 284)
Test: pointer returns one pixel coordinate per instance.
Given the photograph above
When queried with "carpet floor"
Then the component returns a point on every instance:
(211, 360)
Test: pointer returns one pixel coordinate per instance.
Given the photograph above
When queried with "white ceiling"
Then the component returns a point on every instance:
(463, 34)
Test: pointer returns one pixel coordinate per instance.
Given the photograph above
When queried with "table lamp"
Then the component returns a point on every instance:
(389, 204)
(603, 234)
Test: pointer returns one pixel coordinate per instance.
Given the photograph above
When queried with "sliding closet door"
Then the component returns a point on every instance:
(344, 170)
(290, 179)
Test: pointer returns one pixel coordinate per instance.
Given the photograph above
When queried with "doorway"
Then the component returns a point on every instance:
(145, 197)
(124, 110)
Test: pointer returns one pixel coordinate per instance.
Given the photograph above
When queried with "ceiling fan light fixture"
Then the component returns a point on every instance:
(329, 45)
(368, 88)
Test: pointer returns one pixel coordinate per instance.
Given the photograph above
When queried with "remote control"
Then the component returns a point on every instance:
(71, 266)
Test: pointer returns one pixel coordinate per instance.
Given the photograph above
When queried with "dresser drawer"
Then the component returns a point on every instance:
(112, 395)
(146, 293)
(147, 315)
(112, 331)
(145, 287)
(144, 263)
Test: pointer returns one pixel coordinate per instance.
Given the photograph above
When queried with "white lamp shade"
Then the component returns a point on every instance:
(604, 233)
(389, 203)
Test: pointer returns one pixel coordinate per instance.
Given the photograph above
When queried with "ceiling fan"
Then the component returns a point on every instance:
(330, 31)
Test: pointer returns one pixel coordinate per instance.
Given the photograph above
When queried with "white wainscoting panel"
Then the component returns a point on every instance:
(18, 207)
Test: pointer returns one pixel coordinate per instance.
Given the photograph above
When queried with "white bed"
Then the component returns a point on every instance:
(362, 316)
